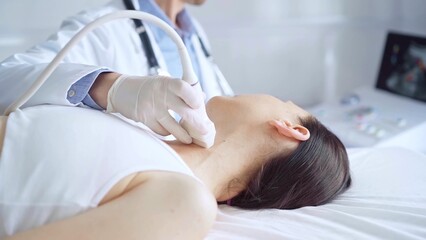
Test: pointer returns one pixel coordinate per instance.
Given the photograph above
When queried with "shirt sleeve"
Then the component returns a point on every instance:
(79, 91)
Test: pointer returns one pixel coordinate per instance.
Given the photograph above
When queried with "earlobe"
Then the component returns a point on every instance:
(285, 128)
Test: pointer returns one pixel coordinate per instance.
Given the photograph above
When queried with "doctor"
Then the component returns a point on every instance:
(125, 66)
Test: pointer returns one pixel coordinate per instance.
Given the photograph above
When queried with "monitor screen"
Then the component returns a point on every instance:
(403, 67)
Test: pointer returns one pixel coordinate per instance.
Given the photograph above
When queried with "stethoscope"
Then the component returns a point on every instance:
(154, 67)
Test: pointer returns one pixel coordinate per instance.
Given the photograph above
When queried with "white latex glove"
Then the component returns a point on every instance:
(147, 99)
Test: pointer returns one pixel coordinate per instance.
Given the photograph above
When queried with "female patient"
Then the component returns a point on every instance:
(267, 154)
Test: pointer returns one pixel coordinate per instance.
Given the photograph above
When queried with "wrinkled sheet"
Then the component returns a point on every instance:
(387, 200)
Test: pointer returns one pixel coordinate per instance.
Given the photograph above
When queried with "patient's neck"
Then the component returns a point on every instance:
(229, 159)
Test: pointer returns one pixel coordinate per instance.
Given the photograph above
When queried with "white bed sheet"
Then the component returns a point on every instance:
(387, 200)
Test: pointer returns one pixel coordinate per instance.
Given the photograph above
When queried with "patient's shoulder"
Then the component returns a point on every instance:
(134, 180)
(126, 184)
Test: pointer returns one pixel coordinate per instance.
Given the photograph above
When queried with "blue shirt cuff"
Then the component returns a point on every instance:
(79, 91)
(88, 101)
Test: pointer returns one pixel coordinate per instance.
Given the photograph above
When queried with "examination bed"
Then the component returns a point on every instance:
(386, 201)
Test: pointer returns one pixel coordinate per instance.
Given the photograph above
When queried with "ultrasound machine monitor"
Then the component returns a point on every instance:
(403, 67)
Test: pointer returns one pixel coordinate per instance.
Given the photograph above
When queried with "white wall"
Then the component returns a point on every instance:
(304, 50)
(26, 22)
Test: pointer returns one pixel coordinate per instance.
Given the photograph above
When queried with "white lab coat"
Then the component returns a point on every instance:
(115, 46)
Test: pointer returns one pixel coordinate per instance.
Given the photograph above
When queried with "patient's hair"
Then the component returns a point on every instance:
(314, 174)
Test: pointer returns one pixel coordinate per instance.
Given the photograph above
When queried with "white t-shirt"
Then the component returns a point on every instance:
(60, 161)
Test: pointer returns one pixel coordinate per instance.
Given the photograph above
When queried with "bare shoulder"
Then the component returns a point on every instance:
(145, 205)
(138, 179)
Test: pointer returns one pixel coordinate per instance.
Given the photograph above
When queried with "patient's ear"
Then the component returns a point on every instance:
(287, 129)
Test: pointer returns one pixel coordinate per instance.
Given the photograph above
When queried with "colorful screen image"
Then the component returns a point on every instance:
(403, 68)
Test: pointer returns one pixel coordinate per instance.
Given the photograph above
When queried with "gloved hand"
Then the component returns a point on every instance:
(147, 99)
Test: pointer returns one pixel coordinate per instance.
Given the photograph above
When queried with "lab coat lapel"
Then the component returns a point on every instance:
(208, 79)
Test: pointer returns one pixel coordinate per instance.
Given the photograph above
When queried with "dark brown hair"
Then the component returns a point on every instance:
(314, 174)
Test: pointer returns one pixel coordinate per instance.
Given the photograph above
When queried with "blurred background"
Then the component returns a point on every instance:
(307, 51)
